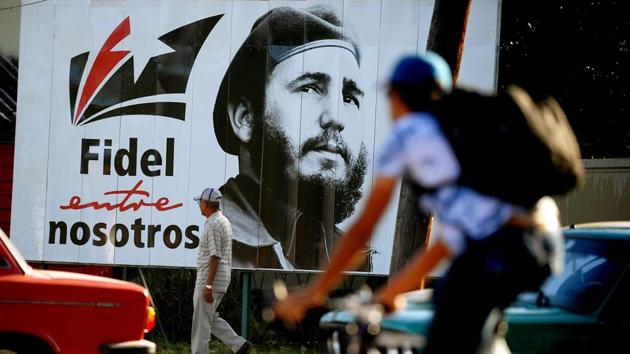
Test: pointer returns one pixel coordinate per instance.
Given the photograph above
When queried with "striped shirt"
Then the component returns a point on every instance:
(216, 240)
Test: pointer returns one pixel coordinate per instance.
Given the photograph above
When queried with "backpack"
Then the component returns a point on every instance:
(510, 146)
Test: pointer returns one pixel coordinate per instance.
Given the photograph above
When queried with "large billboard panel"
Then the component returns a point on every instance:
(129, 109)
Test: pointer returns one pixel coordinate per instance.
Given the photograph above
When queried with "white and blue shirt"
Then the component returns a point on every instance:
(417, 147)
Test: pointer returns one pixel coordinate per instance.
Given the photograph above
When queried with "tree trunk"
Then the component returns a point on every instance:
(446, 37)
(448, 31)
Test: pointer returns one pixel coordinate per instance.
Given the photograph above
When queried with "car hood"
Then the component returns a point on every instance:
(59, 286)
(414, 320)
(523, 313)
(61, 275)
(417, 317)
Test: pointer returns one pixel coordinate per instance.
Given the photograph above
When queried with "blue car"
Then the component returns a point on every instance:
(585, 309)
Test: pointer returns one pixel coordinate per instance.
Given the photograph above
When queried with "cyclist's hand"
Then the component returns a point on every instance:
(293, 306)
(388, 302)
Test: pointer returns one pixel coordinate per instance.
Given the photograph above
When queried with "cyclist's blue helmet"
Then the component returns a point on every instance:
(417, 70)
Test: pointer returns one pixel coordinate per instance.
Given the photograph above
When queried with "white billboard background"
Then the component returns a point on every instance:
(48, 146)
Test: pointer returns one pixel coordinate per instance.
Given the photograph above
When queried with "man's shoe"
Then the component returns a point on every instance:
(244, 349)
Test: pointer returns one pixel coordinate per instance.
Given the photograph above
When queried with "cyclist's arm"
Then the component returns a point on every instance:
(409, 278)
(348, 254)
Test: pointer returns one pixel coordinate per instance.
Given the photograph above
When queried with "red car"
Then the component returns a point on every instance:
(49, 312)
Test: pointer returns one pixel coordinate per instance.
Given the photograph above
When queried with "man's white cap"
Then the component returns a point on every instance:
(210, 195)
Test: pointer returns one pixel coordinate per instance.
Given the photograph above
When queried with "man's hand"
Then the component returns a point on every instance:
(207, 295)
(293, 307)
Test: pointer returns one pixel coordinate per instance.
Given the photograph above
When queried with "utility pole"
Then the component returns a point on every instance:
(446, 37)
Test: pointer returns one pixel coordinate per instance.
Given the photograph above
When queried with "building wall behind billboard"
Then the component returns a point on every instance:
(604, 195)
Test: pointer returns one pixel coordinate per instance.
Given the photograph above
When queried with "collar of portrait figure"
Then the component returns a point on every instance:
(281, 54)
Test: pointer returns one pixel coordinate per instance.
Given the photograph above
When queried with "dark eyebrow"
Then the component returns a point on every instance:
(351, 86)
(319, 77)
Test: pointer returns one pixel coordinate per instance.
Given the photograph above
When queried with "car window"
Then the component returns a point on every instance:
(4, 263)
(591, 269)
(14, 252)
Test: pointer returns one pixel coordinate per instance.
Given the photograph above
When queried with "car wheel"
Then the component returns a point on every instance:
(24, 348)
(22, 344)
(333, 344)
(338, 342)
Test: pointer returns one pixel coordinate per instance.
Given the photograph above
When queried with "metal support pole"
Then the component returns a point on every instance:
(157, 318)
(246, 280)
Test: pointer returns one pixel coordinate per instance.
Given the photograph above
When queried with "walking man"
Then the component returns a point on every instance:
(214, 267)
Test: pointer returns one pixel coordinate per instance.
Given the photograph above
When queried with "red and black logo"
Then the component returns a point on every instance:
(110, 88)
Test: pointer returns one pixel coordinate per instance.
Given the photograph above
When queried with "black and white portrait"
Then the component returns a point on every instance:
(290, 107)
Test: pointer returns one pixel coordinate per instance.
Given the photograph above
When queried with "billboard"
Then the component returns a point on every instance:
(129, 109)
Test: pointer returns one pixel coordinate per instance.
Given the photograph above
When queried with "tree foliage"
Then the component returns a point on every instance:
(579, 52)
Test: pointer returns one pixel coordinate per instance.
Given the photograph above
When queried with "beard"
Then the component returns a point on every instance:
(347, 191)
(277, 160)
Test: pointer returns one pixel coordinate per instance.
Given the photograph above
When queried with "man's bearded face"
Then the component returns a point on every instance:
(312, 126)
